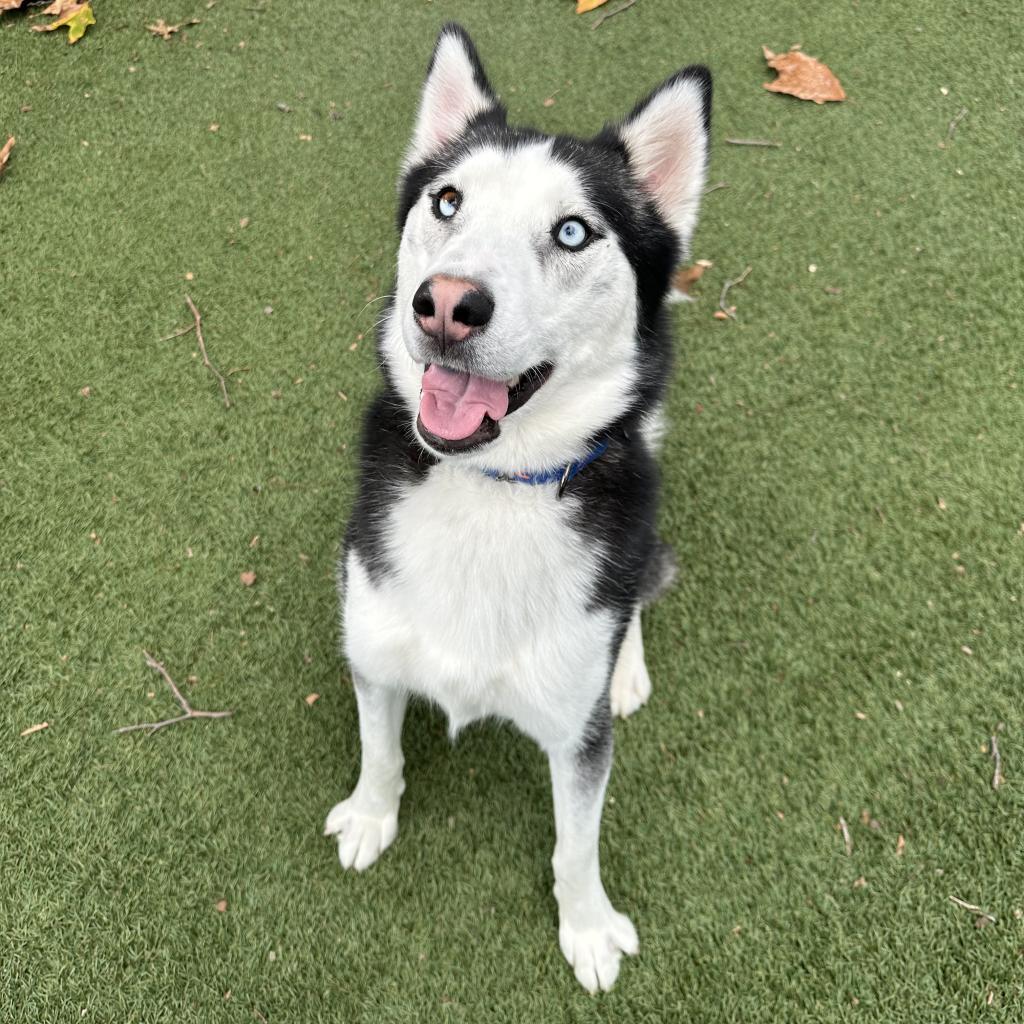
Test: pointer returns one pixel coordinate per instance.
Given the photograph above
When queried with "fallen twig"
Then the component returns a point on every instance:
(189, 711)
(180, 331)
(202, 348)
(997, 774)
(611, 14)
(977, 911)
(755, 142)
(954, 124)
(847, 841)
(716, 187)
(725, 291)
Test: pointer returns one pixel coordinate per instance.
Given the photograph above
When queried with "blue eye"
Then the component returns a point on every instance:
(572, 234)
(447, 202)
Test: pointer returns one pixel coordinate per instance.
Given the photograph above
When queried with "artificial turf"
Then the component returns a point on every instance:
(843, 483)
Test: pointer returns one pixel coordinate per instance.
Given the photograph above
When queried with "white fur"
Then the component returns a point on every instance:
(668, 147)
(451, 99)
(631, 684)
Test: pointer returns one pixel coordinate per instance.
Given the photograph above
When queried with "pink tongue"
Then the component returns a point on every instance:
(452, 405)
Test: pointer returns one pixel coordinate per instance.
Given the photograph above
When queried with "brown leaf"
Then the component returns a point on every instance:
(59, 7)
(803, 77)
(901, 845)
(5, 153)
(162, 29)
(685, 278)
(720, 314)
(247, 578)
(34, 728)
(582, 6)
(10, 5)
(220, 906)
(312, 698)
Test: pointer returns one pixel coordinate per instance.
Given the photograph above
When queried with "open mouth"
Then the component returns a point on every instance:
(460, 411)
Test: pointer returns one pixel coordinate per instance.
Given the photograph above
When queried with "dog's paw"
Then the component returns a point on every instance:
(362, 834)
(594, 952)
(631, 686)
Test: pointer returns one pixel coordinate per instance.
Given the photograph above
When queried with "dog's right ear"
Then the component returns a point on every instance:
(455, 92)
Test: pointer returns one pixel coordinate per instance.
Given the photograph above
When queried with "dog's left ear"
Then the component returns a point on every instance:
(455, 92)
(666, 138)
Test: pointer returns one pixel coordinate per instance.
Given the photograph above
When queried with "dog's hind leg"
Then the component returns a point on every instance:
(631, 684)
(592, 934)
(367, 822)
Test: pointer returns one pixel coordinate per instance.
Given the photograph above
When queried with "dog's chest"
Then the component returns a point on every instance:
(487, 611)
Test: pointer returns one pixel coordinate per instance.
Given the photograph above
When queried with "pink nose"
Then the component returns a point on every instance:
(450, 309)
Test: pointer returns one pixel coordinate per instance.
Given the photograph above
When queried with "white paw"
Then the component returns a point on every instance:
(594, 952)
(362, 833)
(631, 687)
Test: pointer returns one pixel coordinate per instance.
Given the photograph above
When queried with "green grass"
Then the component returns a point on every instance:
(813, 442)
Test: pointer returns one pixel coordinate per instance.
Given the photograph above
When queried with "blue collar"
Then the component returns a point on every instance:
(560, 476)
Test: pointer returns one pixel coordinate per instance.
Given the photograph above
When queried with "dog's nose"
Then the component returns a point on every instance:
(451, 308)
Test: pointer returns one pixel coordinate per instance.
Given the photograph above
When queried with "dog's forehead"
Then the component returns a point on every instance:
(523, 175)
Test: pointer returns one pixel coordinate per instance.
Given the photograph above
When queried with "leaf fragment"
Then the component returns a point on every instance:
(247, 578)
(78, 17)
(804, 77)
(582, 6)
(5, 153)
(38, 727)
(312, 698)
(685, 278)
(162, 29)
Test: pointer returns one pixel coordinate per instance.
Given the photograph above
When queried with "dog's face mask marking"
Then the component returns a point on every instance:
(517, 329)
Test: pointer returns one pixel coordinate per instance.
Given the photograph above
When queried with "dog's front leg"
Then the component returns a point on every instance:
(593, 935)
(367, 822)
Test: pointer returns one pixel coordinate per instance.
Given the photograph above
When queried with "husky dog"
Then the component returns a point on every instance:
(503, 538)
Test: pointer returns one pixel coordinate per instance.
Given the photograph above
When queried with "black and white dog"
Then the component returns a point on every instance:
(503, 539)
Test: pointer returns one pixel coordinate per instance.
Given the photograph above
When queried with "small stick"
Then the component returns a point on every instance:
(955, 123)
(997, 775)
(725, 291)
(189, 711)
(755, 142)
(715, 188)
(972, 908)
(611, 14)
(845, 829)
(202, 348)
(180, 331)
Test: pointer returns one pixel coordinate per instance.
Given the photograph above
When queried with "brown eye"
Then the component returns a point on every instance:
(446, 203)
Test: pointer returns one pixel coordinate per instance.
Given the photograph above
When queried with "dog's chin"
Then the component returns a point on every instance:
(528, 384)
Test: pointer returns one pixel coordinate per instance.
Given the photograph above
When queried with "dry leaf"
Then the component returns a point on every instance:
(901, 845)
(5, 153)
(312, 699)
(685, 278)
(59, 7)
(247, 578)
(220, 906)
(85, 392)
(162, 29)
(720, 315)
(77, 17)
(582, 6)
(860, 882)
(10, 5)
(803, 77)
(34, 728)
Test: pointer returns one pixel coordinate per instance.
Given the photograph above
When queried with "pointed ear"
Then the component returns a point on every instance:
(456, 91)
(666, 138)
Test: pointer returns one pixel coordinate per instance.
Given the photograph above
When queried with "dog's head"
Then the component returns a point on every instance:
(532, 268)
